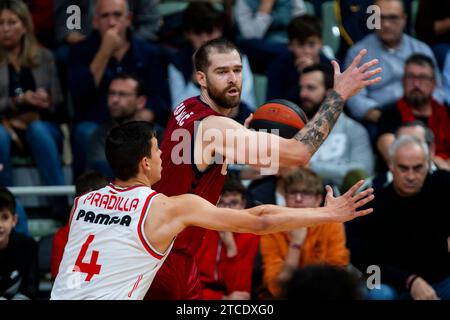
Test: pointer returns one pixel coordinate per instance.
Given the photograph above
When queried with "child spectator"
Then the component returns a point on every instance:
(19, 278)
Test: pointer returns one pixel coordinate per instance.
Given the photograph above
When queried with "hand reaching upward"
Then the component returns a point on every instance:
(355, 78)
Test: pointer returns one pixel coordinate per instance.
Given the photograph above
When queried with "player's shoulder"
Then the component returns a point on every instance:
(174, 200)
(170, 206)
(179, 201)
(161, 200)
(192, 110)
(217, 121)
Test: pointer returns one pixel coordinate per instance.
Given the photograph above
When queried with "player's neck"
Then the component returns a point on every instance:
(213, 105)
(136, 181)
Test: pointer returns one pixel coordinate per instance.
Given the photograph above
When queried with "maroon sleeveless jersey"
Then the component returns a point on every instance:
(180, 178)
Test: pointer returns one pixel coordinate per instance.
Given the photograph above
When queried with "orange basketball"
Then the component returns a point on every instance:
(279, 114)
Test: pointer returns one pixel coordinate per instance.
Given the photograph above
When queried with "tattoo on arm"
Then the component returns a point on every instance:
(318, 128)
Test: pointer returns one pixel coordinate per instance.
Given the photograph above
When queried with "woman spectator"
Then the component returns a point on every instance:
(29, 94)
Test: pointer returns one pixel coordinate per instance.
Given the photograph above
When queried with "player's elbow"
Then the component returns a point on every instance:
(297, 154)
(261, 226)
(263, 223)
(303, 158)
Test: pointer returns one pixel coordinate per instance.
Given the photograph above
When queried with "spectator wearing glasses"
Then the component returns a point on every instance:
(419, 82)
(283, 252)
(126, 102)
(391, 46)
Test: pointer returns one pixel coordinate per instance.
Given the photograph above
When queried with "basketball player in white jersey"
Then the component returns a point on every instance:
(120, 234)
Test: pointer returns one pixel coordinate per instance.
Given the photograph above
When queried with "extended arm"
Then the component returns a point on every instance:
(346, 85)
(169, 216)
(299, 149)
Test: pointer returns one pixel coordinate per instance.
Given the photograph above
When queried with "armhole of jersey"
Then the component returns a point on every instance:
(140, 228)
(75, 205)
(197, 172)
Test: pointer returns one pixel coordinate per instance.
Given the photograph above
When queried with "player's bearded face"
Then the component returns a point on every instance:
(228, 98)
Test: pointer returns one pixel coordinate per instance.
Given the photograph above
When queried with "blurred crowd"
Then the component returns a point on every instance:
(83, 67)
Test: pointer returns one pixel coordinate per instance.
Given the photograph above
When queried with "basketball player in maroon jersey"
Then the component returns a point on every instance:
(121, 234)
(219, 73)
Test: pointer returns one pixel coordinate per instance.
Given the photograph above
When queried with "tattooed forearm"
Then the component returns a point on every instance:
(317, 129)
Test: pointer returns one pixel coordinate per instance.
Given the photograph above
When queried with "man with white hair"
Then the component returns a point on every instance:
(407, 235)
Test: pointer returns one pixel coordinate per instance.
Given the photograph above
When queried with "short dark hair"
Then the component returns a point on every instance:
(126, 145)
(234, 185)
(309, 179)
(421, 60)
(140, 89)
(326, 71)
(303, 27)
(88, 181)
(201, 17)
(429, 134)
(7, 200)
(201, 56)
(375, 2)
(323, 282)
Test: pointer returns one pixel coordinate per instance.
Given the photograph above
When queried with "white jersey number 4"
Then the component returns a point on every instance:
(91, 268)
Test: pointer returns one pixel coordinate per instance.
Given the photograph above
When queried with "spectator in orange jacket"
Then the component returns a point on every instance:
(283, 252)
(225, 260)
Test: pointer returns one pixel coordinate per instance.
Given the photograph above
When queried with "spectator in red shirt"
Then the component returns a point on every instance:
(223, 253)
(417, 103)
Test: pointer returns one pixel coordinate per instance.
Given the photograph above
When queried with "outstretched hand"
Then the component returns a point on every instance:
(344, 208)
(354, 78)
